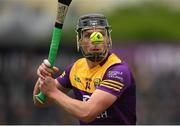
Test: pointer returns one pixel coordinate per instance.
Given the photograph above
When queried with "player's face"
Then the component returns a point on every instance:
(88, 46)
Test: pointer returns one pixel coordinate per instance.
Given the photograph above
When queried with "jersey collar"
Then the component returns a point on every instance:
(104, 61)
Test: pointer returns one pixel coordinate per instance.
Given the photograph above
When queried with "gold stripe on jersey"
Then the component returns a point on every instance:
(111, 84)
(110, 87)
(114, 82)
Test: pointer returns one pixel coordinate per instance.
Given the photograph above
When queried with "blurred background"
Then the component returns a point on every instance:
(146, 34)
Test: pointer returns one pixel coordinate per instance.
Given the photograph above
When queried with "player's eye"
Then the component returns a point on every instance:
(87, 35)
(103, 33)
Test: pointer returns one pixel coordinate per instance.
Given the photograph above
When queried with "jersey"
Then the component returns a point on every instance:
(111, 75)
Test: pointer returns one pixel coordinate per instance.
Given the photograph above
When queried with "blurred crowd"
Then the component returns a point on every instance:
(158, 75)
(24, 43)
(17, 79)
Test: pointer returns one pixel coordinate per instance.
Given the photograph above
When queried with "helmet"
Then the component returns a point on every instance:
(90, 21)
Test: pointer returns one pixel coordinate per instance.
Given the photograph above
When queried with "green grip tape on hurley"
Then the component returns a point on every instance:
(54, 45)
(51, 58)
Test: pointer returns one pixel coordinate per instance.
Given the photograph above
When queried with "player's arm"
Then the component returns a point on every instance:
(35, 92)
(44, 71)
(85, 111)
(113, 85)
(48, 100)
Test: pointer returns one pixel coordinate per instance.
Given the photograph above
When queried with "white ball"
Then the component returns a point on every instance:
(47, 63)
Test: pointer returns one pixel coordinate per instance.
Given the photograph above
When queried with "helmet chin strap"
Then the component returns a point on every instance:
(94, 57)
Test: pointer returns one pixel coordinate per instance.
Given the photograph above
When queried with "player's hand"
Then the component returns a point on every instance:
(48, 86)
(45, 70)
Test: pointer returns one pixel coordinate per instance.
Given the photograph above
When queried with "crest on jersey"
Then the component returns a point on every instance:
(97, 82)
(77, 79)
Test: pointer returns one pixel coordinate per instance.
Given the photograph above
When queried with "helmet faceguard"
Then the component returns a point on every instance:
(93, 21)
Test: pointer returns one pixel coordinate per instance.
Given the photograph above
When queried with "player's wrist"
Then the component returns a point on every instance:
(53, 94)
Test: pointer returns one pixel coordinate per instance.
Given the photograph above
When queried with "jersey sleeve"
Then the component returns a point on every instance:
(116, 79)
(63, 79)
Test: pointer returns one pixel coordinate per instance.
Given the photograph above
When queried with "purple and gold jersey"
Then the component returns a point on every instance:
(111, 75)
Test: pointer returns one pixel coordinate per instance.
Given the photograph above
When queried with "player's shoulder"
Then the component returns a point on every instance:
(112, 57)
(76, 65)
(69, 68)
(120, 65)
(79, 62)
(119, 72)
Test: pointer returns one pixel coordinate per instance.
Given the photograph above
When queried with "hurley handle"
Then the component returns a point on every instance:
(62, 9)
